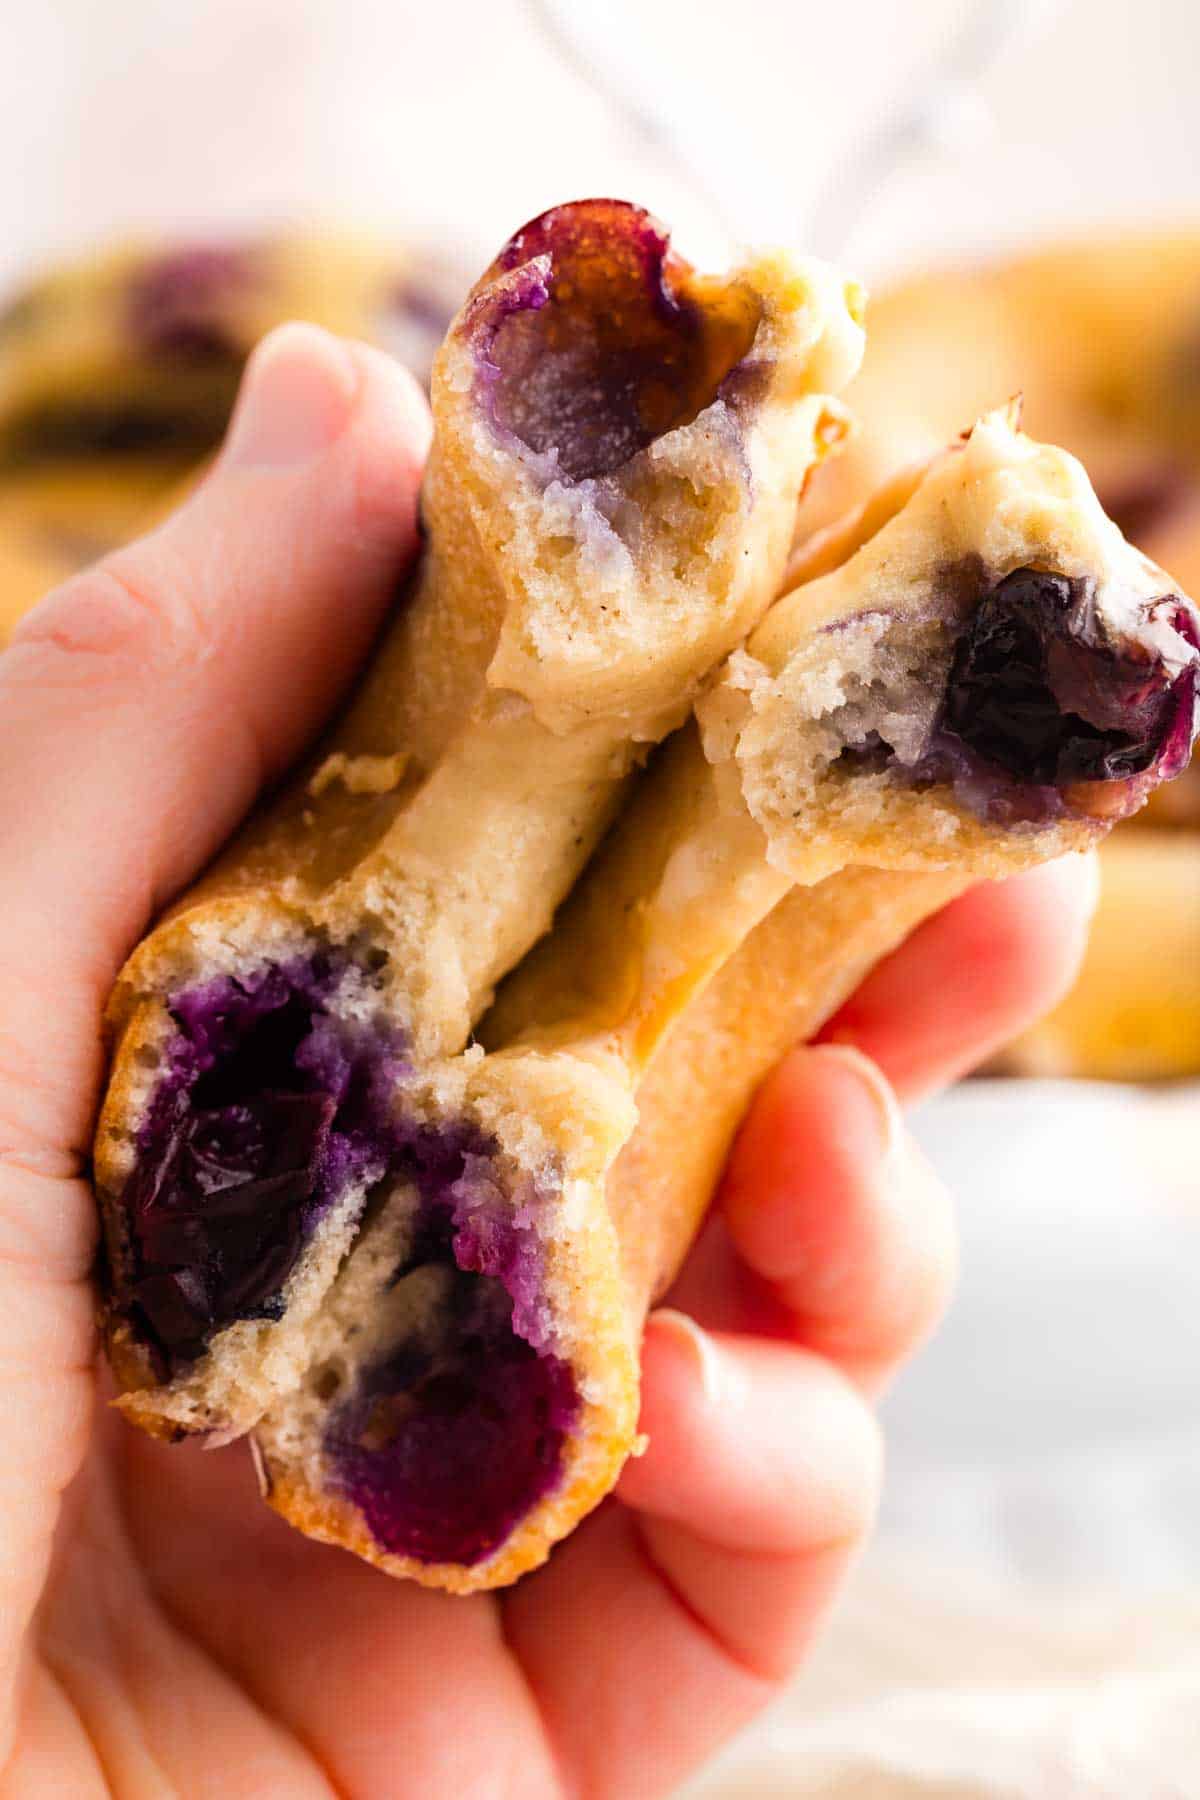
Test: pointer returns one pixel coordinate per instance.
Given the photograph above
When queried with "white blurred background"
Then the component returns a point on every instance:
(456, 121)
(1029, 1621)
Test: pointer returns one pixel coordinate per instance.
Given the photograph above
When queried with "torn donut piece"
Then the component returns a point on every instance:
(1018, 697)
(622, 1051)
(275, 1109)
(631, 418)
(469, 1382)
(270, 1030)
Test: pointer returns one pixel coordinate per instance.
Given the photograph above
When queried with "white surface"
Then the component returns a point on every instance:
(1028, 1622)
(1068, 1369)
(460, 121)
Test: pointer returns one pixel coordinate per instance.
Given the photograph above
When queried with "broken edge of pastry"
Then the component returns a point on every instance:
(1009, 702)
(630, 415)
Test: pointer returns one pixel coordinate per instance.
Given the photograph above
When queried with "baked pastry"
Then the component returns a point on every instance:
(471, 1390)
(1101, 338)
(618, 447)
(118, 375)
(139, 351)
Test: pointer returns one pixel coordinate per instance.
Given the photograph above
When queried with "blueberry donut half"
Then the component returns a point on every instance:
(472, 1390)
(618, 448)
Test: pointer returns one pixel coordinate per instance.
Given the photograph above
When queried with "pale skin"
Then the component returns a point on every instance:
(161, 1632)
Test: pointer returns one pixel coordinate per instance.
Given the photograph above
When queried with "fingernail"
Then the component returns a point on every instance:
(881, 1111)
(693, 1345)
(295, 399)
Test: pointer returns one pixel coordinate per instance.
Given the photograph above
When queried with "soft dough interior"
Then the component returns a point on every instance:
(435, 1399)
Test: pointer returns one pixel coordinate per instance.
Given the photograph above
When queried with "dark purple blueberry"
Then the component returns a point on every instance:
(600, 346)
(1039, 689)
(271, 1108)
(1041, 701)
(271, 1105)
(445, 1451)
(448, 1440)
(179, 304)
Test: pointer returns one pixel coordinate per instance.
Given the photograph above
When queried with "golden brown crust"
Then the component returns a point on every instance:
(681, 968)
(792, 973)
(525, 1103)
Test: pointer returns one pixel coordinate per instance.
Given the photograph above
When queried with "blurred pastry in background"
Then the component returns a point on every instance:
(1102, 339)
(1134, 1013)
(118, 374)
(52, 525)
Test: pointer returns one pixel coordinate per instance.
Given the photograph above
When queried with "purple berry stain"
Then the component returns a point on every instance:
(271, 1109)
(593, 339)
(179, 304)
(445, 1446)
(1039, 690)
(1043, 703)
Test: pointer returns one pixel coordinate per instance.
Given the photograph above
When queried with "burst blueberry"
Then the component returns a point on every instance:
(271, 1108)
(599, 345)
(1039, 689)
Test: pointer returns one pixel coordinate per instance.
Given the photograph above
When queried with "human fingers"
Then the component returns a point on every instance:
(145, 701)
(972, 977)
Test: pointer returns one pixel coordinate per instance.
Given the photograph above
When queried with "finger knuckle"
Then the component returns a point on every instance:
(108, 617)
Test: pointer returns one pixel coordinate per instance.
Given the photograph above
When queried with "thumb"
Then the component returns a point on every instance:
(142, 704)
(145, 701)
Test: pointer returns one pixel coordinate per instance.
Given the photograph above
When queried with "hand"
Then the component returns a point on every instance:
(161, 1630)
